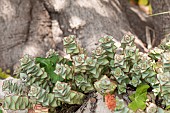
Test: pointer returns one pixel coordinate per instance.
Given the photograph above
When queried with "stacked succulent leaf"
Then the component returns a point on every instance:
(16, 102)
(105, 85)
(14, 88)
(164, 79)
(19, 100)
(55, 80)
(125, 67)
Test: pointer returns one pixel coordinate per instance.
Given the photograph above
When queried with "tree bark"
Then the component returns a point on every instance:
(34, 26)
(25, 29)
(162, 26)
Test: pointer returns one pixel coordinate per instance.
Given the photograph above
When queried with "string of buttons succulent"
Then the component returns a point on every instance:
(130, 81)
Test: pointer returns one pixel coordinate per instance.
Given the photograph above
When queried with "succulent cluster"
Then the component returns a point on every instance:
(31, 73)
(121, 107)
(42, 97)
(65, 71)
(16, 102)
(164, 79)
(14, 88)
(71, 45)
(105, 85)
(55, 80)
(63, 92)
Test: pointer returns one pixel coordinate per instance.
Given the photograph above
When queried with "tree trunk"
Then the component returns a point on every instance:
(162, 21)
(25, 29)
(34, 26)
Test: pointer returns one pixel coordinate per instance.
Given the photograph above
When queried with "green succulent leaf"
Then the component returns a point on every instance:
(120, 105)
(72, 46)
(156, 53)
(83, 83)
(121, 88)
(135, 81)
(16, 102)
(14, 88)
(128, 39)
(105, 85)
(138, 99)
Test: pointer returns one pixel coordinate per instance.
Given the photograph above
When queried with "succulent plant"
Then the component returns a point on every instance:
(135, 81)
(105, 85)
(93, 68)
(121, 106)
(131, 53)
(166, 61)
(119, 75)
(54, 80)
(165, 45)
(63, 92)
(14, 88)
(79, 63)
(128, 40)
(156, 53)
(164, 80)
(71, 45)
(43, 97)
(121, 88)
(136, 69)
(107, 44)
(83, 83)
(16, 102)
(50, 53)
(119, 60)
(163, 77)
(32, 73)
(65, 71)
(100, 55)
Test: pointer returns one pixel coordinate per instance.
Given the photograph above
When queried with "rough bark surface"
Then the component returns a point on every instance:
(161, 22)
(25, 29)
(34, 26)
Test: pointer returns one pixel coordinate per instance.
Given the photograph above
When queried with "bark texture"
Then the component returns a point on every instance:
(162, 26)
(25, 29)
(34, 26)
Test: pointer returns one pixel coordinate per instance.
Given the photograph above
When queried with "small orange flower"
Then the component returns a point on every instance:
(110, 101)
